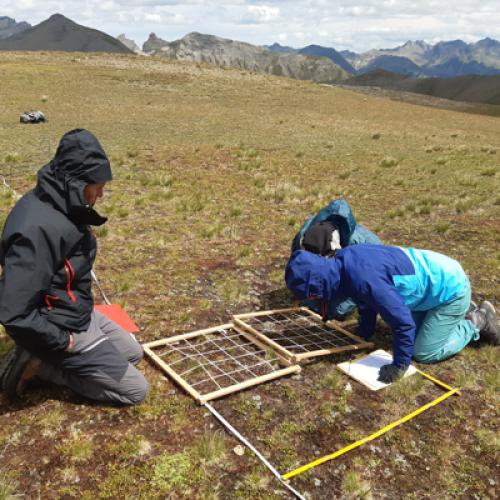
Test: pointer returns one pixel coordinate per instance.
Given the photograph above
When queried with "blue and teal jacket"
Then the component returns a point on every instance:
(390, 281)
(339, 213)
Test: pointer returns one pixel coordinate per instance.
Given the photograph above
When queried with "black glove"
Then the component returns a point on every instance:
(390, 373)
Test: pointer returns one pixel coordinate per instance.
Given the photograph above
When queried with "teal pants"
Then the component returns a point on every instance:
(443, 331)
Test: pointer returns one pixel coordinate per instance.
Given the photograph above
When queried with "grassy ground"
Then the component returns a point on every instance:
(215, 170)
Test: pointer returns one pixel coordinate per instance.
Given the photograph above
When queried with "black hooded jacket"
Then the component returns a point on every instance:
(47, 249)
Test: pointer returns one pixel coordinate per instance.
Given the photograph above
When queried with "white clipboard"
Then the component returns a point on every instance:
(365, 370)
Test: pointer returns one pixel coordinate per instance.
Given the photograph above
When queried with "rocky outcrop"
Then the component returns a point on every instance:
(233, 54)
(9, 27)
(130, 44)
(153, 44)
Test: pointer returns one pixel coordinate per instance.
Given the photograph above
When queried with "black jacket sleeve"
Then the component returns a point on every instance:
(29, 265)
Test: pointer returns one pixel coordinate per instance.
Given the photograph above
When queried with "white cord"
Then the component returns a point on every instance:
(94, 277)
(249, 445)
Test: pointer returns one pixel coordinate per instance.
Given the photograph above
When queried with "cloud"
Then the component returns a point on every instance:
(259, 14)
(344, 24)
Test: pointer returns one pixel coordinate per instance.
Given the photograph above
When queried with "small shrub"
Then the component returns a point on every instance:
(172, 471)
(489, 441)
(489, 172)
(211, 448)
(8, 485)
(388, 161)
(101, 231)
(11, 158)
(245, 251)
(78, 448)
(463, 206)
(209, 232)
(235, 212)
(122, 212)
(280, 191)
(332, 380)
(442, 227)
(354, 487)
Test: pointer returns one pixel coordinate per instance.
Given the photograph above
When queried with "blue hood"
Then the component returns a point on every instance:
(309, 275)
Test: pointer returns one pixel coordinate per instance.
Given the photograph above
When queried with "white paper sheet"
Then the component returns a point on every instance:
(365, 370)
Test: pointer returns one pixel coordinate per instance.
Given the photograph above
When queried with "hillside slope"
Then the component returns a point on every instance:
(61, 34)
(473, 88)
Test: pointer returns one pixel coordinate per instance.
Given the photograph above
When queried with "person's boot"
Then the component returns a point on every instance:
(472, 308)
(16, 370)
(485, 320)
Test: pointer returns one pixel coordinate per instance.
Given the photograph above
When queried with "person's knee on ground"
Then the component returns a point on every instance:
(427, 358)
(132, 389)
(137, 394)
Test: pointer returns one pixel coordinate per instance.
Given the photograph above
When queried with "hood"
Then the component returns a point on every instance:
(339, 213)
(309, 276)
(79, 160)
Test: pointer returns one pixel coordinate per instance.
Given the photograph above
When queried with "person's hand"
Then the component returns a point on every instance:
(390, 373)
(71, 344)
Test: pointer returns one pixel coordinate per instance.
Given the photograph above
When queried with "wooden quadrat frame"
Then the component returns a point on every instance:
(211, 363)
(299, 334)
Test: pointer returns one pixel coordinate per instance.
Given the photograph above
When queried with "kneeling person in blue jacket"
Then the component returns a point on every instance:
(332, 228)
(423, 296)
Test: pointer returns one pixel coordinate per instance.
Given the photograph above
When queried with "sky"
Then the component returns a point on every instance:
(353, 25)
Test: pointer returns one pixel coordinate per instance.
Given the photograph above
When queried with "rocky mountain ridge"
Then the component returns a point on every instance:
(9, 27)
(228, 53)
(419, 58)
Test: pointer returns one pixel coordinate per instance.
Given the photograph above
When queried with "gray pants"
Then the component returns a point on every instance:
(101, 364)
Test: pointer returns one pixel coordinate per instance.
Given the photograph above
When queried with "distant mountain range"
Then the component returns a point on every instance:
(444, 59)
(60, 33)
(9, 27)
(416, 59)
(233, 54)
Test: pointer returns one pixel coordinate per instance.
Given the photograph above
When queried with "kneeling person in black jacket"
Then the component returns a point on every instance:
(47, 251)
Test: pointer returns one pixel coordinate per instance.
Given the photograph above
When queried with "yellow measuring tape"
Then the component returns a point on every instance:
(375, 435)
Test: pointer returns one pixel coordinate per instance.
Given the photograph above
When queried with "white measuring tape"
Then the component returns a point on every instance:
(249, 445)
